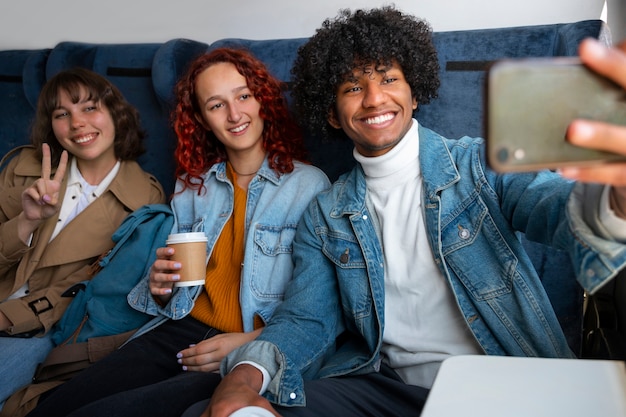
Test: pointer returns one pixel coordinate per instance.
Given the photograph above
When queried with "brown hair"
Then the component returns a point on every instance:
(129, 135)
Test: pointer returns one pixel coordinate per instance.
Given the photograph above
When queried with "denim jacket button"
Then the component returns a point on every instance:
(464, 233)
(292, 395)
(365, 217)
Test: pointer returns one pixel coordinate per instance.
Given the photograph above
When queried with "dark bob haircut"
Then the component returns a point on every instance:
(83, 84)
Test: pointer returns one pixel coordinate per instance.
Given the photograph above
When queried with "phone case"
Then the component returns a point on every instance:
(531, 102)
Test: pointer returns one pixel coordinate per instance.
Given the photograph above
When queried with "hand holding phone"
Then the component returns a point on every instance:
(531, 102)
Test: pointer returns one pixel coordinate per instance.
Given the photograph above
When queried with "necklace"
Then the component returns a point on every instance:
(243, 175)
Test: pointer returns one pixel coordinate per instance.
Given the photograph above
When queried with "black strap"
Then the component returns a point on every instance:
(40, 305)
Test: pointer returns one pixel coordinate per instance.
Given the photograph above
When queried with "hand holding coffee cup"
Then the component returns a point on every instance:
(190, 252)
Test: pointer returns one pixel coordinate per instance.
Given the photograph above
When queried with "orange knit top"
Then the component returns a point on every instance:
(218, 305)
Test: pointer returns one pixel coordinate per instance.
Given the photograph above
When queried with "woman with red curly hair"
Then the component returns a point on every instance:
(241, 181)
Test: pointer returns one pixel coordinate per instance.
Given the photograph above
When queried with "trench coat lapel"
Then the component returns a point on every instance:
(94, 219)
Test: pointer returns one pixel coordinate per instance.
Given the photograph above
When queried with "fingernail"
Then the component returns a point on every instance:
(179, 355)
(167, 290)
(584, 131)
(175, 277)
(568, 172)
(47, 198)
(597, 48)
(184, 368)
(177, 265)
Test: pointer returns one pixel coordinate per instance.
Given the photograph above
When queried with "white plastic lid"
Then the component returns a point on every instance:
(252, 411)
(186, 237)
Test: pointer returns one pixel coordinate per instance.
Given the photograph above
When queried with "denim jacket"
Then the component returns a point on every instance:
(274, 206)
(332, 320)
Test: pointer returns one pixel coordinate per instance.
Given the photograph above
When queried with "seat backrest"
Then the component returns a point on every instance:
(464, 57)
(18, 109)
(170, 62)
(277, 54)
(129, 67)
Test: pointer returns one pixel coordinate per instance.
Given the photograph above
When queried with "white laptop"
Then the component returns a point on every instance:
(498, 386)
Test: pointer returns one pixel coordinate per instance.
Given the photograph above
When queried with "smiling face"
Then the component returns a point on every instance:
(229, 110)
(374, 107)
(85, 128)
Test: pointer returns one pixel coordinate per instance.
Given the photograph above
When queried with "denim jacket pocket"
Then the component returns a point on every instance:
(272, 266)
(274, 240)
(196, 226)
(354, 287)
(477, 253)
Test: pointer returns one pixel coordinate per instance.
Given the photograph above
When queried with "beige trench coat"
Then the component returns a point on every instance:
(50, 268)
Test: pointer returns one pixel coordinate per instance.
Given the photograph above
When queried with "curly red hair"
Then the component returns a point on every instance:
(198, 149)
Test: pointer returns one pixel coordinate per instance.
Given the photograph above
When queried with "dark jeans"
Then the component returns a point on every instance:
(380, 394)
(143, 378)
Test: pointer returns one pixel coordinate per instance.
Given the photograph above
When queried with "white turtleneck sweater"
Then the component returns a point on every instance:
(423, 324)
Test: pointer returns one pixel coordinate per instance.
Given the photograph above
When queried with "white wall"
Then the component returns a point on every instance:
(27, 24)
(617, 19)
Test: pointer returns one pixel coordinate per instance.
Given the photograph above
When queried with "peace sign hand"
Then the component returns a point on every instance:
(41, 200)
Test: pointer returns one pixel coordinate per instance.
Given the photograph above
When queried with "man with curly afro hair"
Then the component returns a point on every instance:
(413, 256)
(381, 36)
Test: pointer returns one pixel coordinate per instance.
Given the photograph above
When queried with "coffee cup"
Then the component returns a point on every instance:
(190, 251)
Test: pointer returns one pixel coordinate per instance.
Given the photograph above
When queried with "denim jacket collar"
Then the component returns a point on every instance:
(265, 172)
(351, 196)
(438, 168)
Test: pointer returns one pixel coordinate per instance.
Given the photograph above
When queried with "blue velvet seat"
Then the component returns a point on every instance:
(146, 74)
(129, 67)
(277, 54)
(465, 55)
(170, 62)
(18, 108)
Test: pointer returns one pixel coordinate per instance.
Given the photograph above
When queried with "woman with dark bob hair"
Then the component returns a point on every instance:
(128, 142)
(62, 199)
(242, 182)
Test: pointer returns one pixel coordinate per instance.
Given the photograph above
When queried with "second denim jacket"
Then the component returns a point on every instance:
(274, 206)
(472, 216)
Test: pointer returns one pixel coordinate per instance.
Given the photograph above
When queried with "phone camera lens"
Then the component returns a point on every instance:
(503, 155)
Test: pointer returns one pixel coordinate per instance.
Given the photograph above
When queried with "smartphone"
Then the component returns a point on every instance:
(530, 102)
